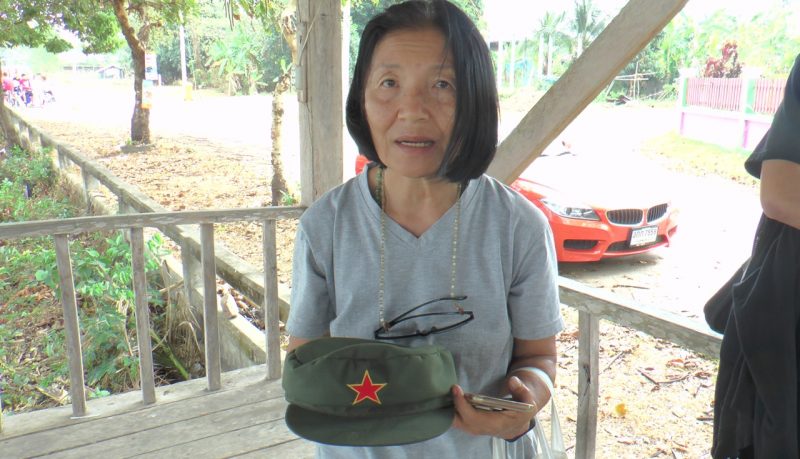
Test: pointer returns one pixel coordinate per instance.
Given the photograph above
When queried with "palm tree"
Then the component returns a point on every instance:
(549, 29)
(586, 25)
(280, 15)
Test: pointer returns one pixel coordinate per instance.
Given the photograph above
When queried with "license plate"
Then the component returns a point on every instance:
(644, 236)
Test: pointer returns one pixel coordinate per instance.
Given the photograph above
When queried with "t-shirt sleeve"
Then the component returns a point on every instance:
(311, 310)
(533, 303)
(782, 140)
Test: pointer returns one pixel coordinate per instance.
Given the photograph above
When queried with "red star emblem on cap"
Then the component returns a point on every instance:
(366, 390)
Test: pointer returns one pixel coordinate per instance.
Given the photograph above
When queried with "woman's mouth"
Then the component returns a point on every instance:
(416, 144)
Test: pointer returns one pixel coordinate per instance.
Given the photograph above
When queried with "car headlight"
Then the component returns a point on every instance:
(571, 211)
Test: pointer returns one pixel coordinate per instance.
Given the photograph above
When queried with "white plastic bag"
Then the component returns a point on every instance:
(544, 447)
(554, 447)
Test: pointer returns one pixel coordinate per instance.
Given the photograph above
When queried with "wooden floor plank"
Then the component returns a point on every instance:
(196, 429)
(228, 444)
(27, 423)
(196, 407)
(295, 449)
(245, 418)
(98, 430)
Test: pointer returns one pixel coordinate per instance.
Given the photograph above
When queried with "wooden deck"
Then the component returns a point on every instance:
(243, 419)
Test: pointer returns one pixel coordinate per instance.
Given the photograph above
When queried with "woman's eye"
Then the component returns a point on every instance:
(388, 83)
(443, 84)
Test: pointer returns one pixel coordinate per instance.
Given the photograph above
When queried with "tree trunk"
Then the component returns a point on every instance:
(198, 69)
(550, 47)
(540, 60)
(9, 134)
(278, 184)
(140, 121)
(579, 44)
(289, 31)
(512, 72)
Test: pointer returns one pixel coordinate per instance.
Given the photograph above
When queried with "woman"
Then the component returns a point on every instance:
(757, 400)
(424, 223)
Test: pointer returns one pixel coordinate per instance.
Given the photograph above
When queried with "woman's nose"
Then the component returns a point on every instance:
(414, 104)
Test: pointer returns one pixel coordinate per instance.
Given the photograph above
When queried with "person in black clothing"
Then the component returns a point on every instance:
(757, 406)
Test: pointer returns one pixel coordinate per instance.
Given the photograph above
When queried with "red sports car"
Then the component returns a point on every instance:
(596, 211)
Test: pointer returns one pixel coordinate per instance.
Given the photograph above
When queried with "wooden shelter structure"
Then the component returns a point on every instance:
(240, 413)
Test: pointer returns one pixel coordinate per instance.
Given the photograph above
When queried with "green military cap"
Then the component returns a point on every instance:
(356, 392)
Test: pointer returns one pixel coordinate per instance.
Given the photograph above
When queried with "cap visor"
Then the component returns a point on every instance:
(368, 431)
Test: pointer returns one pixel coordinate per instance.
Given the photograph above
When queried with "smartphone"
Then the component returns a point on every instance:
(485, 402)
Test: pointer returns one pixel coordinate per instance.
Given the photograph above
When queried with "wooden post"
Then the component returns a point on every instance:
(210, 317)
(62, 158)
(24, 136)
(35, 139)
(588, 384)
(71, 326)
(89, 184)
(122, 207)
(319, 90)
(192, 272)
(146, 378)
(14, 121)
(271, 307)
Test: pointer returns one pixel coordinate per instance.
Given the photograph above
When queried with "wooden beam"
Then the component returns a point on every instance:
(271, 306)
(319, 91)
(630, 31)
(146, 376)
(72, 329)
(80, 225)
(692, 334)
(210, 318)
(588, 384)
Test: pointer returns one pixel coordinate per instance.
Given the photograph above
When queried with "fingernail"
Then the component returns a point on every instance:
(516, 381)
(456, 390)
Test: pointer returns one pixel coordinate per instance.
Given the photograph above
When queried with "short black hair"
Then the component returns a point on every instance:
(473, 141)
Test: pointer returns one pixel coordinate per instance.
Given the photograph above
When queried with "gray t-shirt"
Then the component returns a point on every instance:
(506, 265)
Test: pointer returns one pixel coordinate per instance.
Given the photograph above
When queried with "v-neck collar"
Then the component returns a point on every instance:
(441, 228)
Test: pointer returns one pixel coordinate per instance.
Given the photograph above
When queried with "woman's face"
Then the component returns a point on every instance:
(410, 100)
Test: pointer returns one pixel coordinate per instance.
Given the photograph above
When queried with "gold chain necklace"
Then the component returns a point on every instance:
(380, 192)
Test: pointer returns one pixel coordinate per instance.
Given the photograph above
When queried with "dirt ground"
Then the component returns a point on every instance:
(211, 152)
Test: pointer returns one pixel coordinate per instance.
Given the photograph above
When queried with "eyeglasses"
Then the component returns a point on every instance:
(449, 320)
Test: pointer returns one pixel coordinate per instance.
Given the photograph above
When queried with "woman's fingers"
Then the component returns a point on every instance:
(503, 424)
(463, 410)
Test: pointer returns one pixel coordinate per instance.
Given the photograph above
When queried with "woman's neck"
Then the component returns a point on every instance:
(415, 203)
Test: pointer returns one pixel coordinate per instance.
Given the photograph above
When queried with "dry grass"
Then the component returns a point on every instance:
(698, 158)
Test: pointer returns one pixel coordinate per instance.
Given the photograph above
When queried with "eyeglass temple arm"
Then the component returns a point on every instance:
(402, 316)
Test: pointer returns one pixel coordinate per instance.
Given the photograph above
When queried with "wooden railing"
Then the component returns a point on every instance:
(595, 304)
(94, 177)
(60, 230)
(592, 304)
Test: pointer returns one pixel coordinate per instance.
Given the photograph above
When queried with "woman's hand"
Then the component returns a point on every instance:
(504, 424)
(524, 386)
